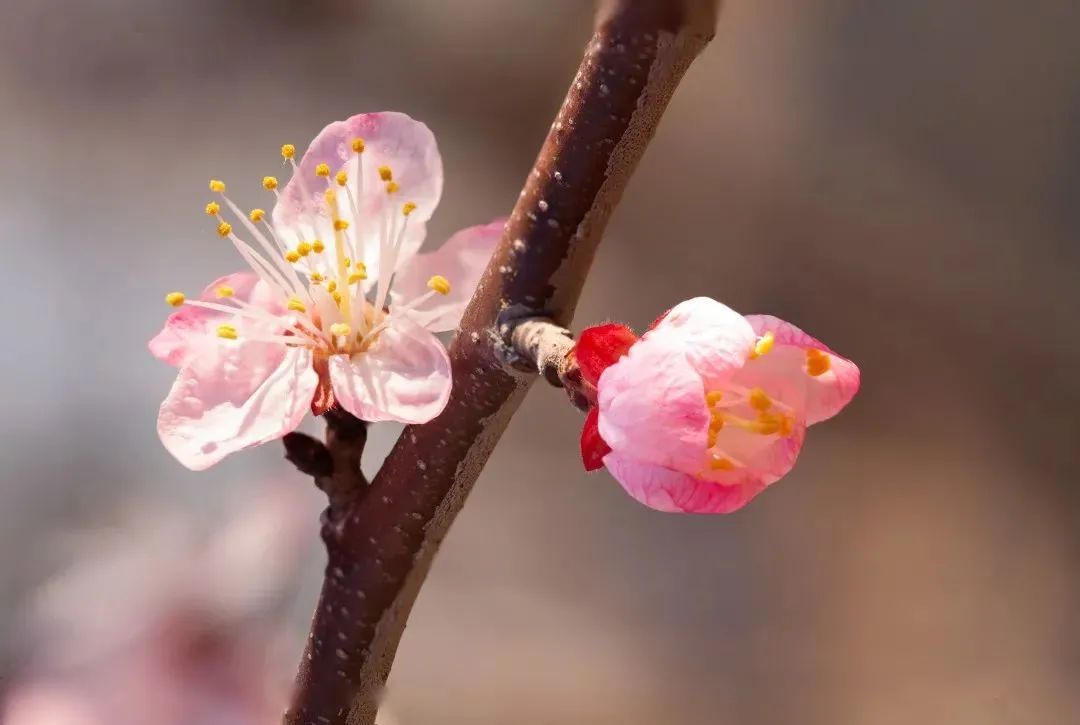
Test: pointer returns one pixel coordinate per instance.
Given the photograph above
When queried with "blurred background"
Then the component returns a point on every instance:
(899, 179)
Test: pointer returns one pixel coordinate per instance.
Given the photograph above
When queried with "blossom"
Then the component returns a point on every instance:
(337, 306)
(709, 407)
(160, 623)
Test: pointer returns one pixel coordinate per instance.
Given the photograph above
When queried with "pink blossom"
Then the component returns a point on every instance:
(337, 307)
(709, 407)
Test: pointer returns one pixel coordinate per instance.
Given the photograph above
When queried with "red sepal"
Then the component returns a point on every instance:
(599, 347)
(593, 447)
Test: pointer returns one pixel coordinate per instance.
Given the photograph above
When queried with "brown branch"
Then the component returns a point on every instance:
(381, 548)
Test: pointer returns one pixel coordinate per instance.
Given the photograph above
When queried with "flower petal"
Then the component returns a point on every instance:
(717, 339)
(462, 260)
(405, 376)
(235, 395)
(652, 405)
(391, 139)
(783, 371)
(600, 346)
(663, 489)
(190, 329)
(593, 447)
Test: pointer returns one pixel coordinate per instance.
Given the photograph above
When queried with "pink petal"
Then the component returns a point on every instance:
(462, 260)
(391, 139)
(190, 329)
(232, 396)
(782, 372)
(405, 376)
(666, 490)
(652, 405)
(601, 346)
(717, 339)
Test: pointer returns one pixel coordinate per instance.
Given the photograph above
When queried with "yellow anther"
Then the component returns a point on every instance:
(358, 145)
(759, 400)
(218, 186)
(713, 397)
(227, 332)
(817, 362)
(175, 299)
(330, 195)
(292, 256)
(257, 215)
(331, 286)
(317, 246)
(439, 284)
(340, 225)
(213, 208)
(303, 249)
(361, 267)
(225, 291)
(336, 297)
(357, 277)
(385, 173)
(341, 178)
(720, 463)
(346, 262)
(288, 151)
(316, 277)
(340, 329)
(408, 208)
(763, 345)
(392, 187)
(270, 183)
(296, 305)
(767, 424)
(787, 425)
(224, 229)
(322, 170)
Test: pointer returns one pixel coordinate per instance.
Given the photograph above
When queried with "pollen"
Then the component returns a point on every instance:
(358, 145)
(257, 215)
(385, 173)
(288, 151)
(357, 277)
(408, 208)
(336, 296)
(213, 208)
(218, 186)
(224, 229)
(225, 291)
(766, 424)
(341, 178)
(361, 267)
(226, 332)
(340, 329)
(292, 256)
(317, 246)
(817, 362)
(392, 187)
(317, 278)
(304, 249)
(296, 305)
(175, 299)
(270, 183)
(340, 225)
(713, 397)
(331, 286)
(439, 284)
(720, 463)
(322, 170)
(763, 345)
(759, 400)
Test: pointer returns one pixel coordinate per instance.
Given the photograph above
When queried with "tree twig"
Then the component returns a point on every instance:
(381, 547)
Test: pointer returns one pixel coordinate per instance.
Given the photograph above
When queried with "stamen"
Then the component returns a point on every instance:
(341, 178)
(385, 173)
(759, 400)
(392, 187)
(358, 145)
(713, 397)
(340, 329)
(439, 284)
(763, 345)
(296, 305)
(331, 286)
(317, 246)
(322, 170)
(408, 208)
(316, 278)
(270, 183)
(292, 256)
(817, 362)
(720, 463)
(218, 186)
(225, 291)
(288, 151)
(224, 229)
(357, 277)
(257, 215)
(304, 249)
(227, 332)
(175, 299)
(340, 225)
(213, 208)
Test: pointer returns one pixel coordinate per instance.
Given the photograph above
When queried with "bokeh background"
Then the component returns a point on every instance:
(899, 178)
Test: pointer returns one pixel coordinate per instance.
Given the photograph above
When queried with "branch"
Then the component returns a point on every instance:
(381, 547)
